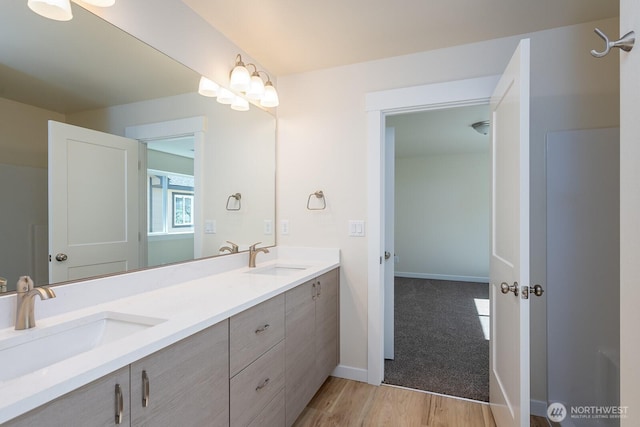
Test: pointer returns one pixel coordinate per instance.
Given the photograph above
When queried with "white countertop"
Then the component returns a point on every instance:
(188, 307)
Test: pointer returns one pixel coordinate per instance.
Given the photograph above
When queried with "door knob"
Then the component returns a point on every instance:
(506, 288)
(535, 289)
(387, 255)
(61, 257)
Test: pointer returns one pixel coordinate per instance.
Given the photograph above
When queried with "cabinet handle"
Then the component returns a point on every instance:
(319, 288)
(313, 291)
(145, 389)
(262, 329)
(263, 384)
(119, 404)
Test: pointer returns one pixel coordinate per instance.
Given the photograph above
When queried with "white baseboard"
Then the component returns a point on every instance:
(350, 373)
(539, 408)
(442, 277)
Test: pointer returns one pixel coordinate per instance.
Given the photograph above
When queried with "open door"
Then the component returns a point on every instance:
(93, 203)
(509, 260)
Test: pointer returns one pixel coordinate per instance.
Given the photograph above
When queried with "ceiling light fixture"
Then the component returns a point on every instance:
(481, 127)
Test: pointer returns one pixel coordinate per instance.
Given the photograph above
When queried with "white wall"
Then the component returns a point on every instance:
(442, 216)
(322, 138)
(322, 145)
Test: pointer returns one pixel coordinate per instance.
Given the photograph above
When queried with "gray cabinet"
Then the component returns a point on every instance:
(185, 384)
(93, 405)
(311, 343)
(257, 365)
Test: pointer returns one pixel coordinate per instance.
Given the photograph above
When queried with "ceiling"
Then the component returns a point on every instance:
(292, 36)
(437, 132)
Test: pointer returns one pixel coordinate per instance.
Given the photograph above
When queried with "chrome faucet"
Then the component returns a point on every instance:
(232, 250)
(25, 301)
(253, 252)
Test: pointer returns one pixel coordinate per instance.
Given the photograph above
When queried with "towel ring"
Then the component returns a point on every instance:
(319, 195)
(236, 197)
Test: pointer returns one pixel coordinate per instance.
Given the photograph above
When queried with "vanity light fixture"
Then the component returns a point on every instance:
(60, 10)
(252, 84)
(225, 96)
(240, 104)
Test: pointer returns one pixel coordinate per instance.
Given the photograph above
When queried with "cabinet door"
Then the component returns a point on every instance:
(92, 405)
(187, 383)
(299, 349)
(326, 325)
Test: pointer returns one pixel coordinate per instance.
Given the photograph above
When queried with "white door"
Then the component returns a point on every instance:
(389, 236)
(509, 262)
(93, 203)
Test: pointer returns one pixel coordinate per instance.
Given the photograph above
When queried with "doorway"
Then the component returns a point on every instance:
(379, 105)
(441, 251)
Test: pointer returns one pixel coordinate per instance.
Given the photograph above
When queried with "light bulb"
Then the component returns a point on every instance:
(240, 79)
(256, 89)
(59, 10)
(207, 87)
(225, 96)
(270, 97)
(240, 104)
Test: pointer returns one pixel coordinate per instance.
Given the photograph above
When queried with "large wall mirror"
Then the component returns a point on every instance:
(205, 173)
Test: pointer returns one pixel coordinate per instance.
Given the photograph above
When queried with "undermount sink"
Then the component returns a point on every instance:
(38, 348)
(279, 269)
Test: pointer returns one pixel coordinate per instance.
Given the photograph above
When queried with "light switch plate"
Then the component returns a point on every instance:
(210, 226)
(356, 228)
(284, 227)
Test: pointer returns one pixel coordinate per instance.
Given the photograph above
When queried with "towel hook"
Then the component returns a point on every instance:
(237, 197)
(625, 43)
(319, 195)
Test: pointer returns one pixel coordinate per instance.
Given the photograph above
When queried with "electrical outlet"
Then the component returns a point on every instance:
(268, 226)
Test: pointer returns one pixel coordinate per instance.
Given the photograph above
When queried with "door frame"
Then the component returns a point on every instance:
(196, 126)
(378, 105)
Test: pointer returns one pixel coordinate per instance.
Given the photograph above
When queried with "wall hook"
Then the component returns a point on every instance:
(625, 43)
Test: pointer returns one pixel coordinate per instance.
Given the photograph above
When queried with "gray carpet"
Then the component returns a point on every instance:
(439, 343)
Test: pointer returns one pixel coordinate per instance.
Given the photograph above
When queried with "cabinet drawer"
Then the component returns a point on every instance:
(253, 388)
(272, 415)
(255, 331)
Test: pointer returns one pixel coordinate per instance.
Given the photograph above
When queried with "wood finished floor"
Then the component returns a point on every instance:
(343, 403)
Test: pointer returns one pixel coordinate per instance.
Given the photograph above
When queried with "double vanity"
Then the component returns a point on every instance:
(211, 342)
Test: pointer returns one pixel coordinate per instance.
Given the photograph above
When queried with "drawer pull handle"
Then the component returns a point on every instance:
(145, 389)
(263, 329)
(119, 404)
(313, 291)
(319, 288)
(263, 385)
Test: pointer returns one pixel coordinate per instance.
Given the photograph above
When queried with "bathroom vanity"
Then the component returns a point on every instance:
(237, 346)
